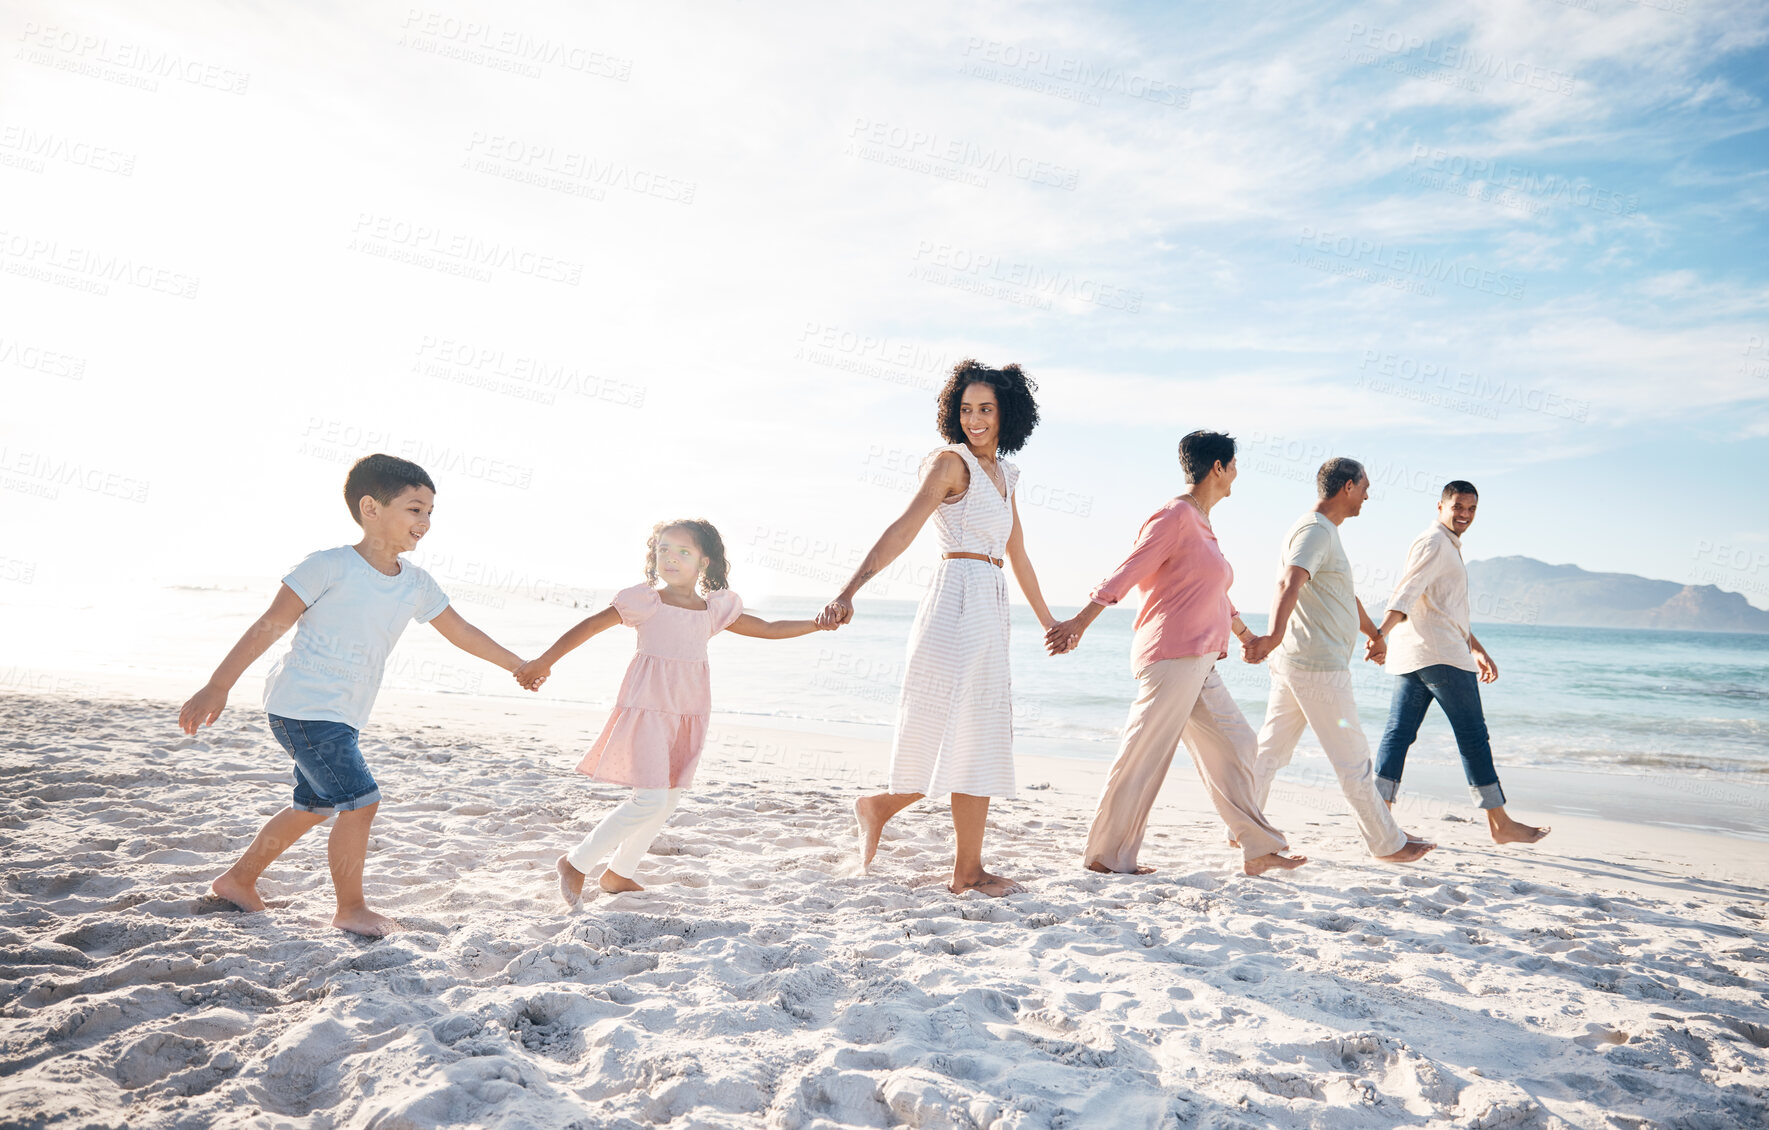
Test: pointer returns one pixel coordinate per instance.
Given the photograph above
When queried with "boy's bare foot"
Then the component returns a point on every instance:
(1409, 852)
(870, 815)
(1096, 865)
(1272, 859)
(1508, 831)
(571, 882)
(242, 894)
(364, 921)
(614, 883)
(995, 886)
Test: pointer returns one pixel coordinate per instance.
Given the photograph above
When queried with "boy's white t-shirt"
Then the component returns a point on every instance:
(355, 614)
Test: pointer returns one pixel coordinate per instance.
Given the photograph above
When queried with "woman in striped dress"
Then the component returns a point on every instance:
(955, 714)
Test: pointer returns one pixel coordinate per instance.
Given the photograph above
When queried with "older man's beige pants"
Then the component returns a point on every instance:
(1180, 699)
(1322, 701)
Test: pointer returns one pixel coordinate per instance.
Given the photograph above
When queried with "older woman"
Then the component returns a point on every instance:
(955, 713)
(1181, 631)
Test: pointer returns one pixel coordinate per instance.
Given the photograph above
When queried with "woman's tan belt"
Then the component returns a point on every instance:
(995, 561)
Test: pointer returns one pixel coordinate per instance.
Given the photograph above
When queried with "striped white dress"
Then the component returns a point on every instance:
(955, 713)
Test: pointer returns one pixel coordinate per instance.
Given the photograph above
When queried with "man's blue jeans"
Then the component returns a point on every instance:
(1458, 692)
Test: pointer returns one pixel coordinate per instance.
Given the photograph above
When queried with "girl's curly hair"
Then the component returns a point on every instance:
(718, 570)
(1013, 395)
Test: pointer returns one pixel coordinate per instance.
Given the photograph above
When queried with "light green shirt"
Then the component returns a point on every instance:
(1324, 625)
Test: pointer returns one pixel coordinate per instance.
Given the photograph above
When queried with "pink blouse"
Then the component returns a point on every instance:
(1184, 578)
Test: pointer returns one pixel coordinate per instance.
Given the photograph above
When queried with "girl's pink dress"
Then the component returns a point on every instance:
(653, 738)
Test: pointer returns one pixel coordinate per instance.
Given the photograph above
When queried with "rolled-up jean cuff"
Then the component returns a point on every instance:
(1386, 788)
(373, 796)
(1488, 796)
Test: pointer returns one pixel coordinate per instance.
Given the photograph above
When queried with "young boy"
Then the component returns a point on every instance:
(350, 604)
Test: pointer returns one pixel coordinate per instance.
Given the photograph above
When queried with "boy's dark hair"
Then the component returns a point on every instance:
(1200, 452)
(1013, 398)
(718, 570)
(1457, 486)
(381, 477)
(1335, 473)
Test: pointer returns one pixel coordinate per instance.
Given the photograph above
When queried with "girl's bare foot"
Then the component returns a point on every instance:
(1409, 852)
(242, 894)
(1271, 860)
(1104, 870)
(571, 882)
(614, 883)
(994, 886)
(364, 921)
(870, 814)
(1508, 831)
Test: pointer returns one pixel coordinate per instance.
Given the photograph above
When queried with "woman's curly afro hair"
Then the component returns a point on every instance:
(1013, 395)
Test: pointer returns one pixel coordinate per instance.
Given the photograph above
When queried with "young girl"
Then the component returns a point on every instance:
(652, 739)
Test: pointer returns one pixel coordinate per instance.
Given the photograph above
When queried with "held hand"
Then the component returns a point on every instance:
(1062, 637)
(532, 674)
(1376, 650)
(1489, 671)
(836, 613)
(203, 708)
(1256, 649)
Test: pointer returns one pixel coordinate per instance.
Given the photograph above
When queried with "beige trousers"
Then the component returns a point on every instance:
(1180, 699)
(1322, 701)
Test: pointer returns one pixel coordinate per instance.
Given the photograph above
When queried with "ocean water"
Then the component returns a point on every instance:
(1692, 705)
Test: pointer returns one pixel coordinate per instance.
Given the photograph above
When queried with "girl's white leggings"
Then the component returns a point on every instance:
(625, 834)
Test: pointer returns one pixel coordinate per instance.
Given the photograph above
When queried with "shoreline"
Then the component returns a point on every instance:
(1705, 801)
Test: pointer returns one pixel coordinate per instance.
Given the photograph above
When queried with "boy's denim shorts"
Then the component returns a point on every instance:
(330, 773)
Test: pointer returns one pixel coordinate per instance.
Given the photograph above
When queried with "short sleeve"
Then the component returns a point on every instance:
(1417, 577)
(1310, 548)
(316, 573)
(431, 599)
(637, 604)
(725, 606)
(1013, 476)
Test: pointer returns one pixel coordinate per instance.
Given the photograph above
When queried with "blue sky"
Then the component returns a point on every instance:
(605, 267)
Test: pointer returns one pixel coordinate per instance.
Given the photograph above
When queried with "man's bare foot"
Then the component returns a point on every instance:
(615, 883)
(1272, 859)
(1104, 870)
(1409, 852)
(994, 886)
(242, 895)
(571, 882)
(1509, 831)
(869, 814)
(364, 921)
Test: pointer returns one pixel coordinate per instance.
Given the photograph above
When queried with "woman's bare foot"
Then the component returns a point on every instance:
(994, 886)
(571, 882)
(242, 894)
(1272, 859)
(1409, 852)
(615, 883)
(364, 921)
(870, 813)
(1508, 831)
(1104, 870)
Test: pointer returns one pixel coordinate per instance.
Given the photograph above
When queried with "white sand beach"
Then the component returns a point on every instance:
(1612, 976)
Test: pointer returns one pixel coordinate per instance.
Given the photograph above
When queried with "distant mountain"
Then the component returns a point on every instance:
(1522, 590)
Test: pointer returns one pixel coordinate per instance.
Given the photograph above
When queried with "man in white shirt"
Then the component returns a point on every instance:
(1315, 620)
(1437, 659)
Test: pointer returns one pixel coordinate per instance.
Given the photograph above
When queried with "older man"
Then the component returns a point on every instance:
(1315, 619)
(1436, 658)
